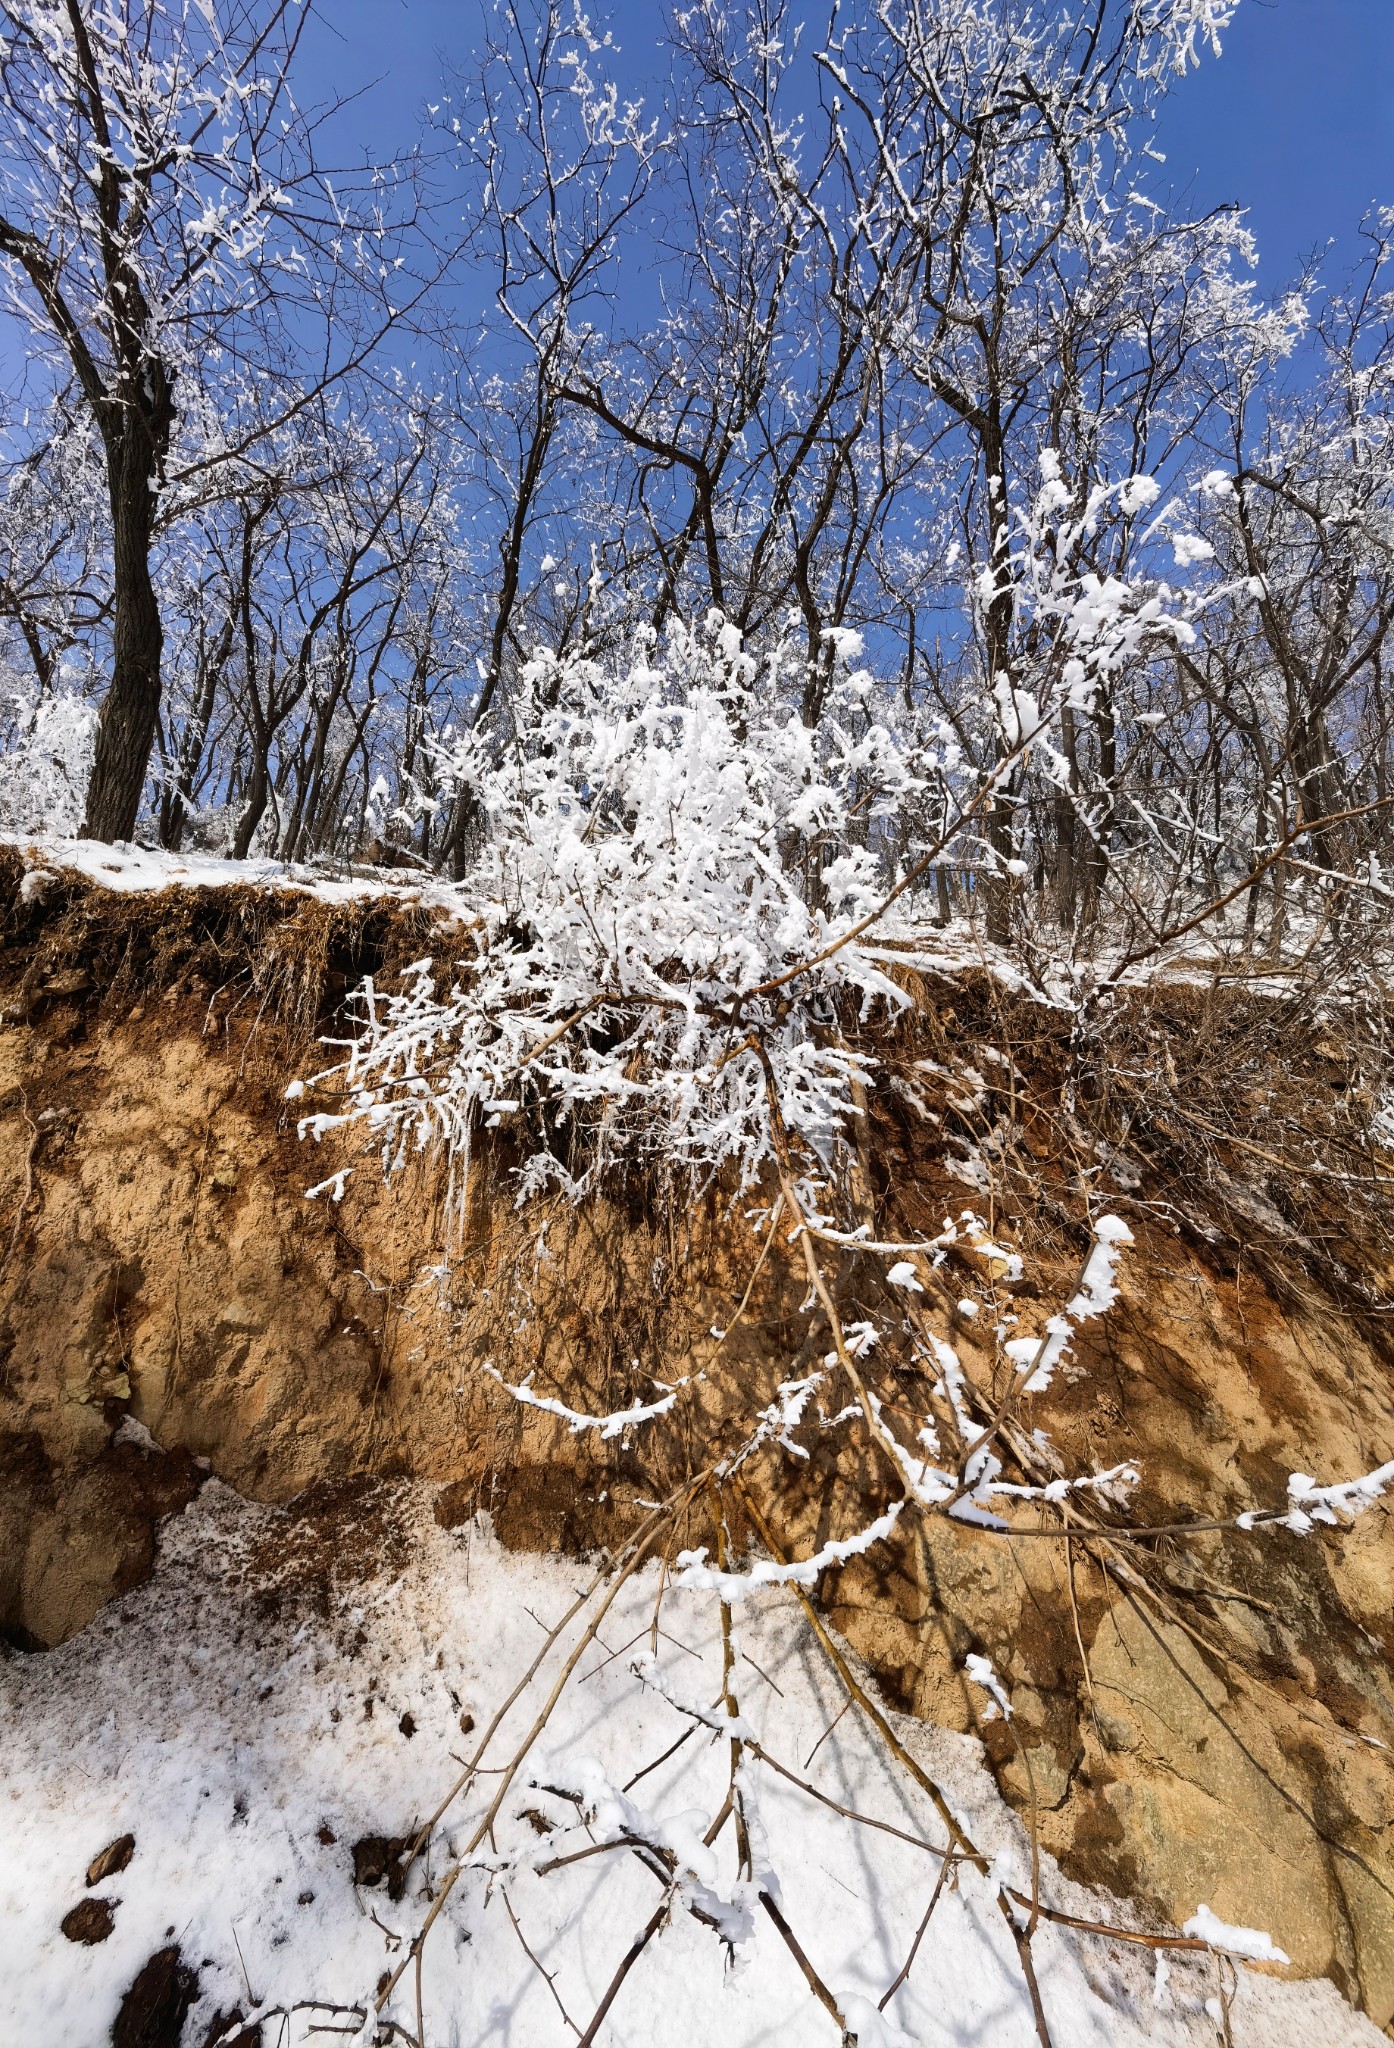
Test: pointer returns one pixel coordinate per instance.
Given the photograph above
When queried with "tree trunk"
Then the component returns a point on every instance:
(258, 790)
(997, 887)
(1318, 792)
(178, 800)
(997, 622)
(1097, 846)
(135, 432)
(1067, 827)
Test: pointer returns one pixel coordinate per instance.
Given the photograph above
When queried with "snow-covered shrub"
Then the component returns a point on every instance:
(45, 758)
(676, 872)
(665, 876)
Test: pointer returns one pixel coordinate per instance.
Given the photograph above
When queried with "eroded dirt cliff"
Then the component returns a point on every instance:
(1207, 1720)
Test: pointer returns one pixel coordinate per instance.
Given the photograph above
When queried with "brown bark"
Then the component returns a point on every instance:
(126, 726)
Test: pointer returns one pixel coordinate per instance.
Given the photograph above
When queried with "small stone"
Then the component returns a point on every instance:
(90, 1921)
(1118, 1731)
(407, 1724)
(114, 1857)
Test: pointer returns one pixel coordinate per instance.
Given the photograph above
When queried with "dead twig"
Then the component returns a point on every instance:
(638, 1550)
(811, 1977)
(549, 1977)
(903, 1972)
(916, 1770)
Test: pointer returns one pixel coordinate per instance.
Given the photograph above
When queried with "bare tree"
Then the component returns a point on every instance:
(160, 193)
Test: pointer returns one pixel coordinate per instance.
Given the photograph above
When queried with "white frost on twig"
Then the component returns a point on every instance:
(649, 1671)
(775, 1422)
(1250, 1942)
(1348, 1498)
(980, 1670)
(1097, 1292)
(677, 1838)
(1309, 1503)
(697, 1576)
(576, 1421)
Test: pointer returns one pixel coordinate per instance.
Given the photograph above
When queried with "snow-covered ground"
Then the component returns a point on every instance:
(128, 869)
(910, 936)
(281, 1690)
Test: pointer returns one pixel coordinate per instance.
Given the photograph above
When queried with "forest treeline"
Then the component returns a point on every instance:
(872, 355)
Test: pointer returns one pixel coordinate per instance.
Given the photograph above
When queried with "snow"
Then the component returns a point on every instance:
(908, 939)
(130, 1431)
(608, 1426)
(219, 1714)
(138, 870)
(902, 1274)
(980, 1670)
(36, 884)
(1097, 1292)
(1098, 1289)
(1249, 1942)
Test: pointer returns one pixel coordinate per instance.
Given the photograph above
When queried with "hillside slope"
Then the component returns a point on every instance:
(1210, 1722)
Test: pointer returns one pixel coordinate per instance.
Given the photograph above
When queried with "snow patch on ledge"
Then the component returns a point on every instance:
(133, 870)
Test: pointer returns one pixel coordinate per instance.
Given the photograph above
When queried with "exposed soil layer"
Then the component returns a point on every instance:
(1209, 1721)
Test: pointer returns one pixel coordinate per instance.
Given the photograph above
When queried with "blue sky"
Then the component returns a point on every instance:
(1296, 121)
